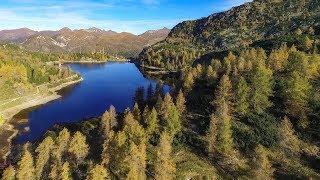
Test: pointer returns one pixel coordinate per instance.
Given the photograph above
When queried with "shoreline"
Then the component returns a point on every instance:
(9, 132)
(94, 62)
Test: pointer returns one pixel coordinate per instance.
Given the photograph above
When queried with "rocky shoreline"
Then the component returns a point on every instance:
(9, 132)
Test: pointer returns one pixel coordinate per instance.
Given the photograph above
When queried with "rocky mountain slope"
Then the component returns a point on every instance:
(238, 27)
(84, 40)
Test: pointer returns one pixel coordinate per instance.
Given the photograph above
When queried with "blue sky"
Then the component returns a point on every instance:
(135, 16)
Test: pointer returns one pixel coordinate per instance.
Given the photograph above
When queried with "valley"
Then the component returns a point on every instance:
(233, 95)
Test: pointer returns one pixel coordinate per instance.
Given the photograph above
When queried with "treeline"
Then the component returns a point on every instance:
(97, 56)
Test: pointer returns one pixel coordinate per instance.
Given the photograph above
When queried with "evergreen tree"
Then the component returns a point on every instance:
(262, 168)
(98, 172)
(9, 174)
(242, 91)
(65, 172)
(79, 147)
(164, 166)
(26, 168)
(43, 151)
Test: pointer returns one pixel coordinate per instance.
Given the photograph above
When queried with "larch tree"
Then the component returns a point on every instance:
(98, 172)
(136, 113)
(296, 93)
(241, 100)
(109, 120)
(212, 135)
(152, 122)
(26, 167)
(61, 144)
(188, 81)
(44, 151)
(165, 167)
(224, 145)
(261, 88)
(288, 141)
(65, 172)
(9, 173)
(170, 116)
(262, 168)
(136, 162)
(181, 103)
(79, 147)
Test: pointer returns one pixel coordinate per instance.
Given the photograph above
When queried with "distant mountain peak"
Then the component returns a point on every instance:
(94, 29)
(65, 29)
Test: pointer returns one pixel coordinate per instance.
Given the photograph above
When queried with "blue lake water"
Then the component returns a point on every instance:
(103, 85)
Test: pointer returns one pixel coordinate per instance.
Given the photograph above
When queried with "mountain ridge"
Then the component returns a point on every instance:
(83, 40)
(240, 26)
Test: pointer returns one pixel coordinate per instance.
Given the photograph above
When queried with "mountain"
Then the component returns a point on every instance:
(154, 36)
(240, 26)
(84, 40)
(16, 35)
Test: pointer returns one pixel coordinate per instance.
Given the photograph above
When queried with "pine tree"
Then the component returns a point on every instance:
(9, 174)
(65, 172)
(262, 168)
(43, 151)
(242, 91)
(164, 166)
(98, 172)
(79, 147)
(26, 168)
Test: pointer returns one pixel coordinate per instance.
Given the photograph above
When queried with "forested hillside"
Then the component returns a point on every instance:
(22, 71)
(259, 23)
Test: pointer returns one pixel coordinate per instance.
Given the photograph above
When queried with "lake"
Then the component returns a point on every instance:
(112, 83)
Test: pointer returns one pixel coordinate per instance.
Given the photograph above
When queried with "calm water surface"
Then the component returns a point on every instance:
(103, 85)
